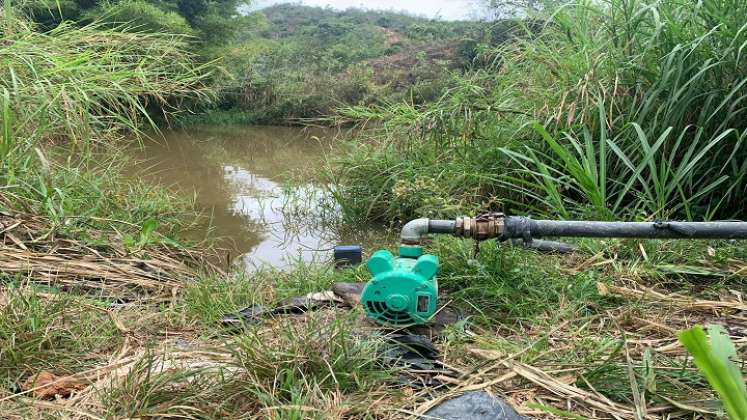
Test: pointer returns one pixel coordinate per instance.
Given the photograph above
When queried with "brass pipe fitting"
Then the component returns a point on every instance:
(486, 226)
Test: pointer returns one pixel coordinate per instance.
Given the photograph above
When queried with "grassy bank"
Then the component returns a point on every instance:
(542, 332)
(68, 98)
(613, 110)
(104, 313)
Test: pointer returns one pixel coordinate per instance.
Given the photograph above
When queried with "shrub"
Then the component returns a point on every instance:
(84, 81)
(140, 16)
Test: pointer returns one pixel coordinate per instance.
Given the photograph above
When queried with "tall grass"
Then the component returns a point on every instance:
(615, 109)
(83, 82)
(82, 86)
(714, 354)
(659, 116)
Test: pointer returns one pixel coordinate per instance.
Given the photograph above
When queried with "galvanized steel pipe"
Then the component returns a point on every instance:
(414, 230)
(441, 226)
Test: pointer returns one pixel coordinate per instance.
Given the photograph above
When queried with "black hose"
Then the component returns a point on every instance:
(525, 228)
(542, 245)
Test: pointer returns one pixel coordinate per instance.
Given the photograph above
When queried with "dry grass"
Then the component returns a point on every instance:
(29, 247)
(253, 366)
(617, 358)
(253, 375)
(624, 362)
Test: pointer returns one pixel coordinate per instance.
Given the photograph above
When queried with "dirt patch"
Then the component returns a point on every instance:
(390, 37)
(399, 68)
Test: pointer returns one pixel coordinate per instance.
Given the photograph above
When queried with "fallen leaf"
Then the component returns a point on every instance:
(46, 385)
(486, 354)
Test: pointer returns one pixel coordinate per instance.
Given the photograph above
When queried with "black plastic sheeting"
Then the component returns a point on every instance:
(294, 305)
(474, 405)
(410, 351)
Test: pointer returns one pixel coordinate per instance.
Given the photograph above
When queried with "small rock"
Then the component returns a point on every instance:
(475, 405)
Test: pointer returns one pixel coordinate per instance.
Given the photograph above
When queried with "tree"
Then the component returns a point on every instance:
(210, 21)
(141, 16)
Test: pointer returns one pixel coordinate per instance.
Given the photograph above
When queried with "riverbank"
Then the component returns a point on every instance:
(551, 327)
(547, 333)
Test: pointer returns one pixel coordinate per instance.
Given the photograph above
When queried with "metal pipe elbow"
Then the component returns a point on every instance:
(414, 230)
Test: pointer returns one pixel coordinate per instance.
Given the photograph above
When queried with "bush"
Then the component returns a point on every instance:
(139, 16)
(81, 82)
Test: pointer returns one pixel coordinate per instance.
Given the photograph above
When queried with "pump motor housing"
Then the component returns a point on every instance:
(403, 290)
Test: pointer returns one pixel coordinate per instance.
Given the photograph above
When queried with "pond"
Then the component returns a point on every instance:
(258, 187)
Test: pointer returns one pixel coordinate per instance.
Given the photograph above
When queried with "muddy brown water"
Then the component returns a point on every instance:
(259, 188)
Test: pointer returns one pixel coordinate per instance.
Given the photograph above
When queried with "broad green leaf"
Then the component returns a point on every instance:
(713, 359)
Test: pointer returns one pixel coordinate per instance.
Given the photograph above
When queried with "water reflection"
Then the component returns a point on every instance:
(240, 177)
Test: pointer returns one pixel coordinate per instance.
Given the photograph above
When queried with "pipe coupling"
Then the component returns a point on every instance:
(486, 226)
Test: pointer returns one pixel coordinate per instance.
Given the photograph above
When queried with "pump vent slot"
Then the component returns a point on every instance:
(423, 303)
(381, 311)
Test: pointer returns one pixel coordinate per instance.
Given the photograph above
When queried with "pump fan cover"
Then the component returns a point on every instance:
(403, 290)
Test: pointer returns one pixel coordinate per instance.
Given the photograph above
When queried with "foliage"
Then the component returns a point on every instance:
(505, 282)
(294, 62)
(642, 125)
(141, 15)
(211, 21)
(87, 86)
(713, 355)
(429, 183)
(82, 88)
(83, 81)
(289, 19)
(640, 108)
(619, 135)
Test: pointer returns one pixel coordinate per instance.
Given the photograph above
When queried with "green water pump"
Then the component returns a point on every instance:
(403, 290)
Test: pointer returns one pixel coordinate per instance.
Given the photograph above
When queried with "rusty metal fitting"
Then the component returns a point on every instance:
(485, 226)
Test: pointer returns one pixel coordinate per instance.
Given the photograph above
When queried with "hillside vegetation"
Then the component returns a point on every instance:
(207, 22)
(295, 62)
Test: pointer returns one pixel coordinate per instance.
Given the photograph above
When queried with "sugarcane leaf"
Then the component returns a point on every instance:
(713, 364)
(724, 349)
